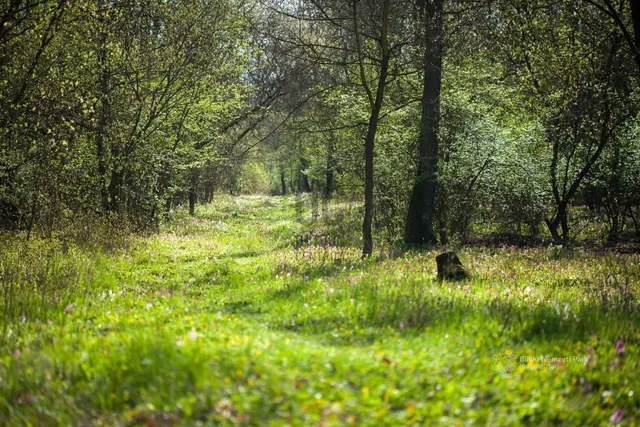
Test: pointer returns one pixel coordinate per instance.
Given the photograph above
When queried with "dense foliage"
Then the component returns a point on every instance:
(110, 108)
(355, 138)
(115, 111)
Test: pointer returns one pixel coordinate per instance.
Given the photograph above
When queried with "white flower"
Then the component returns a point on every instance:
(193, 334)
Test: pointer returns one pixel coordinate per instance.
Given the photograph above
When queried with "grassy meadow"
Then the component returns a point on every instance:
(245, 315)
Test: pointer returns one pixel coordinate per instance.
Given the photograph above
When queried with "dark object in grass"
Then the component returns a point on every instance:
(450, 267)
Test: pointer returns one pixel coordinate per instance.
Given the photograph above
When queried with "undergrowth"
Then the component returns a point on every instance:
(248, 313)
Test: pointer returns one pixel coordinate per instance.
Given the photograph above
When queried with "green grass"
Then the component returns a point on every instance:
(229, 318)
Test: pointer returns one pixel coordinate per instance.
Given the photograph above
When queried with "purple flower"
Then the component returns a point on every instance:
(617, 416)
(620, 348)
(589, 358)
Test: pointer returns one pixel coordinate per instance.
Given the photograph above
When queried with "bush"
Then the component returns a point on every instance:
(253, 179)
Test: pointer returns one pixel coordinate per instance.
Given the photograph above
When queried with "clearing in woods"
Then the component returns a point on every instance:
(230, 318)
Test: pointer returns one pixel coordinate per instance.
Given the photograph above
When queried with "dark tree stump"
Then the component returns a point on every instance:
(450, 267)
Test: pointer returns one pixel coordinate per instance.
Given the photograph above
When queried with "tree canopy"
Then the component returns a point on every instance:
(442, 117)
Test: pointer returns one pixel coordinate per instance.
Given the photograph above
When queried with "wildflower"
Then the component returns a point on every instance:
(193, 334)
(617, 416)
(589, 358)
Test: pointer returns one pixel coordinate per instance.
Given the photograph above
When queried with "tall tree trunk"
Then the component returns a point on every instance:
(32, 216)
(314, 200)
(212, 190)
(635, 18)
(115, 184)
(283, 184)
(328, 188)
(104, 114)
(636, 223)
(304, 165)
(613, 205)
(206, 192)
(193, 192)
(328, 185)
(376, 107)
(192, 201)
(369, 144)
(421, 216)
(212, 183)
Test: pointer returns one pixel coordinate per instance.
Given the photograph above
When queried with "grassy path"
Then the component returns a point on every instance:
(219, 319)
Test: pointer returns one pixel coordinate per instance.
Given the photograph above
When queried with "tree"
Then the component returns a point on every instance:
(93, 119)
(569, 64)
(365, 41)
(375, 106)
(422, 207)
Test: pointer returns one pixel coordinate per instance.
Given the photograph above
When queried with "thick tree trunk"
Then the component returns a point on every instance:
(420, 218)
(559, 225)
(283, 184)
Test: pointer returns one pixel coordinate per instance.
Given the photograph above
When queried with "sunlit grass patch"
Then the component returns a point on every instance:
(246, 324)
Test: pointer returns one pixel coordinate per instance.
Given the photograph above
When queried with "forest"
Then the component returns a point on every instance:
(319, 212)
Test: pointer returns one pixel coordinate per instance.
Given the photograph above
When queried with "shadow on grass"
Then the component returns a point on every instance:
(499, 323)
(244, 254)
(365, 313)
(378, 313)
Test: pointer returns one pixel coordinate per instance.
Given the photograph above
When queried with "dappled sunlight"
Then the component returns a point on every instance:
(224, 325)
(319, 213)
